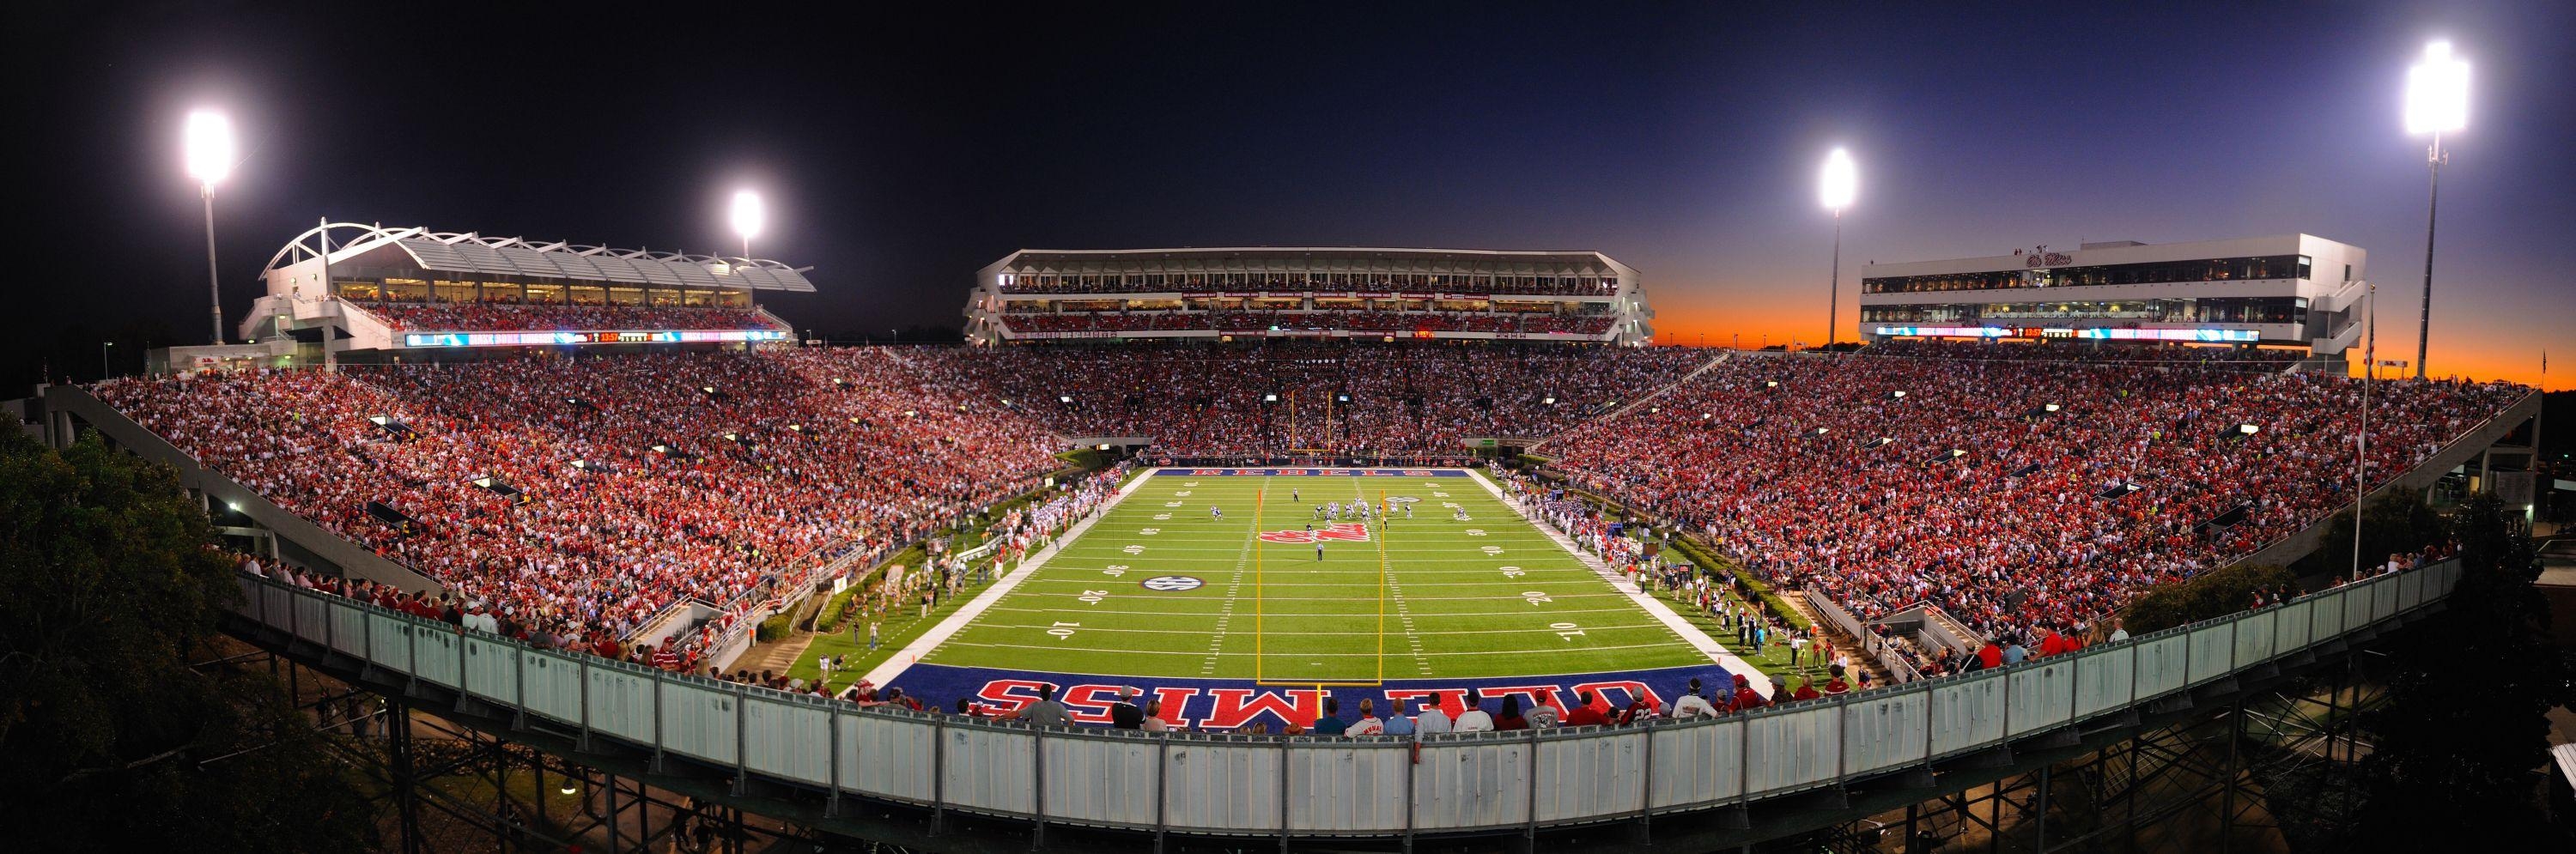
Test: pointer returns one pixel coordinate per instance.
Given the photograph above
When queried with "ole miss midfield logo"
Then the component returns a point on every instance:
(1351, 531)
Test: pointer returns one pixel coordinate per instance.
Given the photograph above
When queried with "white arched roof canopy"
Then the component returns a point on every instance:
(514, 256)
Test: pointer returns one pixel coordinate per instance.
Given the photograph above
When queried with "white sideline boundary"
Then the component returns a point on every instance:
(904, 658)
(1654, 607)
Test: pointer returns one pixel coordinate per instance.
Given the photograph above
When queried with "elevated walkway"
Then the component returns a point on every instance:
(925, 780)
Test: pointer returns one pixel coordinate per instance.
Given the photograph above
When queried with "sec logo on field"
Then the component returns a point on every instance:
(1172, 583)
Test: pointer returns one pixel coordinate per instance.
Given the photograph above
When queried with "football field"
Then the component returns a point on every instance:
(1162, 586)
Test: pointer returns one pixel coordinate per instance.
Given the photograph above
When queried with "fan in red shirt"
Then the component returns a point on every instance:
(1587, 714)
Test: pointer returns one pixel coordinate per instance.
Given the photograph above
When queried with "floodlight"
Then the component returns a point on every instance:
(235, 505)
(1549, 400)
(732, 437)
(1270, 398)
(2437, 92)
(581, 464)
(210, 150)
(1841, 181)
(1770, 383)
(2249, 429)
(748, 216)
(1652, 410)
(1896, 395)
(909, 413)
(2050, 408)
(1064, 398)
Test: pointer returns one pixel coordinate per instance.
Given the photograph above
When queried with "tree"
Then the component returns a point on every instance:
(2456, 749)
(2216, 593)
(2398, 521)
(112, 741)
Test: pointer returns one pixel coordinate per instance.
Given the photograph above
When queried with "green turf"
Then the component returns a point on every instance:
(1490, 596)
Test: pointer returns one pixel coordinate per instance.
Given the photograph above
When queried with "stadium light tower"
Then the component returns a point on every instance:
(2437, 101)
(210, 153)
(748, 217)
(1841, 181)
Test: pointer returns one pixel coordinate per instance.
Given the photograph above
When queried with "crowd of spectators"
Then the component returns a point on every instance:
(2023, 495)
(513, 317)
(587, 494)
(1203, 397)
(572, 498)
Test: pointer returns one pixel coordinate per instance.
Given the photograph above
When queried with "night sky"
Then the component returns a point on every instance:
(900, 153)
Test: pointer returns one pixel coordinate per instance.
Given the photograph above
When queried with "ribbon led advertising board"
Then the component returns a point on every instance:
(529, 339)
(2209, 336)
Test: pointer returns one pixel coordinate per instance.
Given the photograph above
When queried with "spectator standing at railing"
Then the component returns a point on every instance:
(1588, 713)
(1124, 714)
(1474, 718)
(1331, 723)
(1044, 711)
(1545, 714)
(1746, 699)
(1692, 705)
(1367, 723)
(1396, 723)
(1432, 721)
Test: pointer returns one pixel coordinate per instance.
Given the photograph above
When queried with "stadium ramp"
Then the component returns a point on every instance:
(2477, 442)
(1641, 400)
(295, 536)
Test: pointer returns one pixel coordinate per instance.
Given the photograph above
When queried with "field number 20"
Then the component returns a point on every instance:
(1535, 597)
(1063, 629)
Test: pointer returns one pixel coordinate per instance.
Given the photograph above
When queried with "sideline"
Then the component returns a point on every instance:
(1654, 607)
(894, 665)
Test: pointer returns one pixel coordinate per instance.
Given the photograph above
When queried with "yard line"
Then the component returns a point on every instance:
(1243, 555)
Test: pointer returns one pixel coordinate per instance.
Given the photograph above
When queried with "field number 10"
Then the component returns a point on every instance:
(1565, 630)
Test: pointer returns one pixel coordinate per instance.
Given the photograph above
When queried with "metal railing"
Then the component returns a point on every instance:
(1207, 783)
